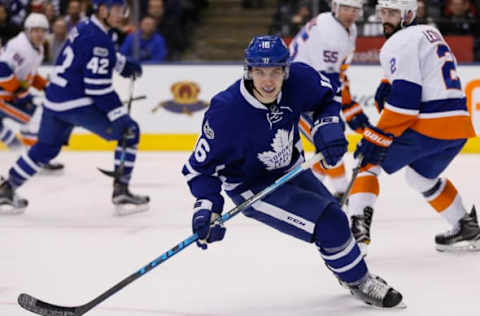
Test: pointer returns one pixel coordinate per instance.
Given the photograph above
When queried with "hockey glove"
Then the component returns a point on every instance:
(373, 146)
(207, 232)
(383, 90)
(356, 119)
(125, 126)
(132, 68)
(329, 139)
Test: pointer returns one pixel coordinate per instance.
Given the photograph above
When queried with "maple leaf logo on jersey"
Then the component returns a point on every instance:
(281, 155)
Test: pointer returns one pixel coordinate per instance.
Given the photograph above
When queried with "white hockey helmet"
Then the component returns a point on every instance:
(350, 3)
(36, 20)
(405, 6)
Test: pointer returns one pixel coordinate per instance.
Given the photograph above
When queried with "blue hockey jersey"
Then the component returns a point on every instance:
(244, 143)
(84, 70)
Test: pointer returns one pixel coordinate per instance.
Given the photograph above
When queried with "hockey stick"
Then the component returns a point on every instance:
(137, 98)
(37, 306)
(355, 172)
(116, 174)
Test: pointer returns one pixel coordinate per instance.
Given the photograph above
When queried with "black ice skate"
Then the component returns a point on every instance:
(361, 228)
(10, 203)
(465, 236)
(375, 291)
(127, 203)
(51, 168)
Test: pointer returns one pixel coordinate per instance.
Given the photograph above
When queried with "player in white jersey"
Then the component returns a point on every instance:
(20, 59)
(327, 44)
(423, 125)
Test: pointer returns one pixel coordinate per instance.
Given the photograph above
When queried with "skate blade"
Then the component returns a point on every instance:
(8, 209)
(129, 209)
(48, 172)
(400, 306)
(464, 246)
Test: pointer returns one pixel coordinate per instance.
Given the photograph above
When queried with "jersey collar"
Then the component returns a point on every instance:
(99, 24)
(252, 100)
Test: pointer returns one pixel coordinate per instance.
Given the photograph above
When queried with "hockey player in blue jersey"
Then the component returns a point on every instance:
(250, 138)
(81, 93)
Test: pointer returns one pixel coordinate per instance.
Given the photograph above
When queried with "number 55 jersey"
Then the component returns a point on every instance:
(426, 93)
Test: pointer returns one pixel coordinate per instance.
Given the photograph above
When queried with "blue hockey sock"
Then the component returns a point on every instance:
(129, 156)
(8, 137)
(23, 169)
(338, 247)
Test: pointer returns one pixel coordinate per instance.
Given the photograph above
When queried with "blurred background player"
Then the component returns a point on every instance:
(260, 113)
(423, 126)
(327, 44)
(19, 63)
(81, 93)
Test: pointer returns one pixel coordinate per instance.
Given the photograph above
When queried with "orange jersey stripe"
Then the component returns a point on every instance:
(29, 141)
(13, 112)
(445, 198)
(366, 184)
(10, 84)
(450, 127)
(395, 123)
(334, 172)
(317, 168)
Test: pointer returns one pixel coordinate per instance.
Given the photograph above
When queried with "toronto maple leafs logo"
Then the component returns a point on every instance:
(281, 155)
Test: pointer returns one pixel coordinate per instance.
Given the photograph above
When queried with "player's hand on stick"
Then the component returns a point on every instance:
(329, 139)
(356, 119)
(208, 231)
(373, 146)
(132, 68)
(383, 90)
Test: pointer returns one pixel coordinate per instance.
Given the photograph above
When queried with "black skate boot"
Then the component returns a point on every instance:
(361, 228)
(127, 203)
(51, 168)
(373, 290)
(465, 236)
(10, 203)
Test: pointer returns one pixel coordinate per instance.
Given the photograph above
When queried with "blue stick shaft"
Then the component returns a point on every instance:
(46, 309)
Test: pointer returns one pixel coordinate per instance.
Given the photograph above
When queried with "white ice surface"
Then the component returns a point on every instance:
(68, 248)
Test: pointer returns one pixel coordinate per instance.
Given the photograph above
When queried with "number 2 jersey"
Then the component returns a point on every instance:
(426, 93)
(84, 69)
(245, 143)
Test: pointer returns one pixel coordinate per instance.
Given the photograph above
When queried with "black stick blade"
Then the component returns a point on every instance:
(108, 173)
(39, 307)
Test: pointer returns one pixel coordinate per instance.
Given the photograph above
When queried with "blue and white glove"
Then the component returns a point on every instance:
(329, 139)
(132, 68)
(383, 90)
(373, 146)
(207, 232)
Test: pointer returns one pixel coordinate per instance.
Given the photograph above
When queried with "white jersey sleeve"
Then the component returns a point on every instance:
(426, 93)
(324, 44)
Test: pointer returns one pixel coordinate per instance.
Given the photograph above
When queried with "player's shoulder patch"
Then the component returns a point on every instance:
(208, 131)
